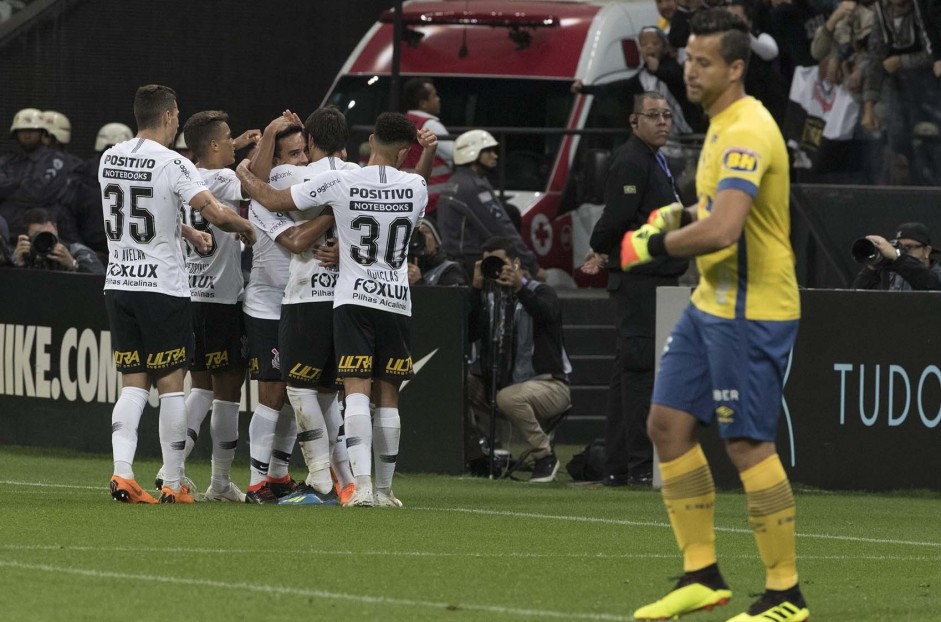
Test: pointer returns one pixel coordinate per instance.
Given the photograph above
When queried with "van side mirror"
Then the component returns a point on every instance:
(594, 174)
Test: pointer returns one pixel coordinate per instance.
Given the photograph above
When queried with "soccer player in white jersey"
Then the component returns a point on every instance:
(308, 362)
(271, 434)
(216, 288)
(376, 208)
(147, 293)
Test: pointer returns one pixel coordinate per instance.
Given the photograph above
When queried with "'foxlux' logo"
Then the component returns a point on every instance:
(145, 271)
(737, 159)
(388, 290)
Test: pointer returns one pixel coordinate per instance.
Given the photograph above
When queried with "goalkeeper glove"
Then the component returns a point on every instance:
(635, 248)
(669, 217)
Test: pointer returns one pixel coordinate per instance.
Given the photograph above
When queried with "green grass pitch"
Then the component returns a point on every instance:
(461, 549)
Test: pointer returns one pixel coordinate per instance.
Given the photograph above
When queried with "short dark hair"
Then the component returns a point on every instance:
(290, 130)
(202, 128)
(640, 97)
(415, 91)
(36, 216)
(394, 129)
(497, 243)
(328, 128)
(150, 102)
(735, 42)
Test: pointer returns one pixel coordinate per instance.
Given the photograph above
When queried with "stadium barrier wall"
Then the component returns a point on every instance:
(58, 382)
(862, 393)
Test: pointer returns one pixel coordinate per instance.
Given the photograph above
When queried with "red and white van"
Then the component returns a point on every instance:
(511, 63)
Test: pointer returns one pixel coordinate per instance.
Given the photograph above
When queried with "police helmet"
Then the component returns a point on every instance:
(112, 134)
(469, 145)
(58, 126)
(27, 119)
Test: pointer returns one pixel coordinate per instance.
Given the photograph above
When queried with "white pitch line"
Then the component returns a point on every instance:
(44, 485)
(582, 519)
(309, 593)
(501, 554)
(631, 523)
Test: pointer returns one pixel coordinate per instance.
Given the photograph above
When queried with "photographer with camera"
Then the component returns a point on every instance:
(519, 324)
(427, 263)
(900, 265)
(41, 249)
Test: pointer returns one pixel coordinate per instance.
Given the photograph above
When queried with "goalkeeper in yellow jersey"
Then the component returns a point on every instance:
(726, 357)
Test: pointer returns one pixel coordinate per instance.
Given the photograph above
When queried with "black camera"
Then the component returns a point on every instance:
(43, 242)
(865, 251)
(416, 245)
(491, 267)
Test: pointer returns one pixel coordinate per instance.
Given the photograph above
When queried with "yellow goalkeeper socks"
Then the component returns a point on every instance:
(771, 515)
(690, 497)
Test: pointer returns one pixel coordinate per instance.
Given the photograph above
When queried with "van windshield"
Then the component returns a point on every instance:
(480, 103)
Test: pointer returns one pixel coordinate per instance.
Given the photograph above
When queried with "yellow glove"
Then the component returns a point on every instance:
(634, 251)
(668, 217)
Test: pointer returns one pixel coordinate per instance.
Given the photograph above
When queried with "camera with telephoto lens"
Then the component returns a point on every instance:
(491, 267)
(41, 245)
(865, 251)
(416, 245)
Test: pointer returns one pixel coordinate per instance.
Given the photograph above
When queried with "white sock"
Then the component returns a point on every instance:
(283, 445)
(359, 439)
(260, 438)
(124, 421)
(339, 458)
(198, 403)
(172, 437)
(386, 431)
(224, 426)
(312, 437)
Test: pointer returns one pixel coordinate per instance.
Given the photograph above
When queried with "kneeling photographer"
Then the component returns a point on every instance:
(41, 248)
(900, 265)
(519, 324)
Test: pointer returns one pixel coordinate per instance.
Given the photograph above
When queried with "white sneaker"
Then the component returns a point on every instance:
(184, 481)
(387, 500)
(229, 493)
(362, 498)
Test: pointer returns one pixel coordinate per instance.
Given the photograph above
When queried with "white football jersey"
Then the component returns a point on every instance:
(376, 208)
(216, 275)
(270, 262)
(143, 187)
(309, 281)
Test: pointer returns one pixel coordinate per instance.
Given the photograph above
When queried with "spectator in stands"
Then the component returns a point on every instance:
(34, 176)
(661, 73)
(666, 9)
(793, 24)
(40, 247)
(424, 106)
(533, 375)
(427, 263)
(901, 62)
(763, 80)
(931, 16)
(470, 212)
(903, 264)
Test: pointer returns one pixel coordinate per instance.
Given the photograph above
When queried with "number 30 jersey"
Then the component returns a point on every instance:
(375, 208)
(143, 186)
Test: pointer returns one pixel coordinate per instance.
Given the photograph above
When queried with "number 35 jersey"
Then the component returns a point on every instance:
(375, 208)
(143, 186)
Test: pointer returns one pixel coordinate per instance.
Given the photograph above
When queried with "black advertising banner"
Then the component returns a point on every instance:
(862, 394)
(58, 382)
